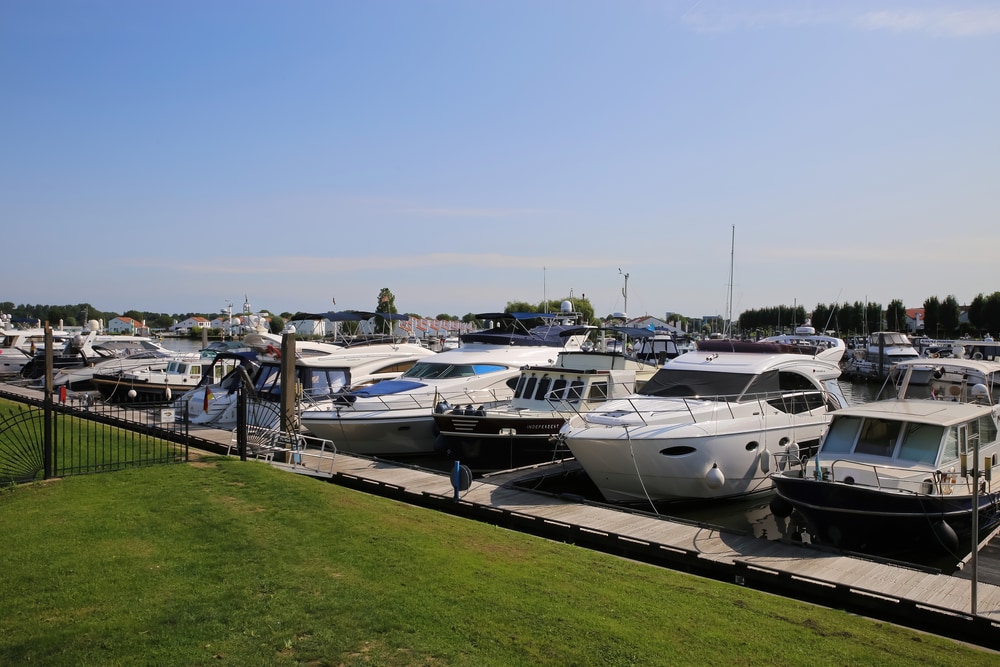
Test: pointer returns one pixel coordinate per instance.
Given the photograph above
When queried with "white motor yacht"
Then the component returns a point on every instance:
(395, 418)
(710, 423)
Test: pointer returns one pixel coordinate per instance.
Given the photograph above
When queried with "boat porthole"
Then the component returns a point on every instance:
(783, 442)
(848, 480)
(752, 445)
(679, 450)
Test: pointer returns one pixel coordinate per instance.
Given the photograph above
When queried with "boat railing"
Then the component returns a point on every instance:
(788, 402)
(409, 400)
(567, 400)
(885, 477)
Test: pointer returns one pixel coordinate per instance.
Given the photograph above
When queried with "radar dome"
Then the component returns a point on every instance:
(565, 307)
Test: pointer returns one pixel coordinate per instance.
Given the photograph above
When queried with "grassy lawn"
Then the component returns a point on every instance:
(223, 562)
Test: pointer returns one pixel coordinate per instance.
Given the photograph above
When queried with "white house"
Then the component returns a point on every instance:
(190, 323)
(127, 325)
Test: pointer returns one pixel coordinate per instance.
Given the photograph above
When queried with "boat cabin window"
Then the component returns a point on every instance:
(878, 437)
(558, 389)
(323, 382)
(526, 386)
(683, 383)
(950, 451)
(575, 391)
(841, 435)
(921, 443)
(437, 371)
(794, 403)
(987, 430)
(598, 391)
(315, 381)
(396, 367)
(543, 387)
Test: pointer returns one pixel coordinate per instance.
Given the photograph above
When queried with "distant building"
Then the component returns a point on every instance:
(185, 326)
(127, 325)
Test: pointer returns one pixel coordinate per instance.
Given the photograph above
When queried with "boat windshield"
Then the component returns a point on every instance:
(434, 371)
(316, 382)
(678, 383)
(889, 438)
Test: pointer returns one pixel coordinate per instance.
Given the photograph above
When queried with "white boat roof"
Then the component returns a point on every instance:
(952, 363)
(926, 411)
(352, 357)
(748, 362)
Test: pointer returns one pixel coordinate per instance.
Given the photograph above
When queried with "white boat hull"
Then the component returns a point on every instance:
(684, 462)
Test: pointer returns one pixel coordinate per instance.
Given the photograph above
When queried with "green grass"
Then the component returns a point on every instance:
(223, 562)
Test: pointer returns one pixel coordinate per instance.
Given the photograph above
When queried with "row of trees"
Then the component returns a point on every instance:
(942, 318)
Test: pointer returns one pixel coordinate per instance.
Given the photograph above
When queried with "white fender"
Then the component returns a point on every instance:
(714, 477)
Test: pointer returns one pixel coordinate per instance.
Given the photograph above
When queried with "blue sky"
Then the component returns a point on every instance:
(176, 156)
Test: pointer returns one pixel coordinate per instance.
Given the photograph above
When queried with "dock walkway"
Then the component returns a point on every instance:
(916, 597)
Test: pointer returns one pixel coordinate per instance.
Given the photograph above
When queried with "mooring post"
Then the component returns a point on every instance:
(289, 385)
(47, 438)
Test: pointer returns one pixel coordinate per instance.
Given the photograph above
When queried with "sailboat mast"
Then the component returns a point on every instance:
(727, 332)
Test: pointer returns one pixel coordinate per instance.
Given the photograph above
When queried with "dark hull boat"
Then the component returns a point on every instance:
(902, 475)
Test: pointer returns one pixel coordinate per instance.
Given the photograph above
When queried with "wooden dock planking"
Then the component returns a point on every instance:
(880, 578)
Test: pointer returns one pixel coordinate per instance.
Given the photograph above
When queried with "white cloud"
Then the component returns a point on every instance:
(951, 23)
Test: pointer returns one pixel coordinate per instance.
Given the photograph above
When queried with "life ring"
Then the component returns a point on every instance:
(273, 351)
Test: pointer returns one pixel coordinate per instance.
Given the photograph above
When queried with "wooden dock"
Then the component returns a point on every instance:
(916, 597)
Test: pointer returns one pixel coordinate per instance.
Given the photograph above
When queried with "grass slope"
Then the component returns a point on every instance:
(222, 562)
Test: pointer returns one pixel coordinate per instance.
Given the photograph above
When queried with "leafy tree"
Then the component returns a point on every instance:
(948, 313)
(895, 315)
(991, 313)
(520, 307)
(277, 324)
(386, 305)
(932, 321)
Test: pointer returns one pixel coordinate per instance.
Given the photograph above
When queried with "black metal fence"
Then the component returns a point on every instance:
(41, 439)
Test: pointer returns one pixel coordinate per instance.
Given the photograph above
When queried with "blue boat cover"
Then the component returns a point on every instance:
(387, 387)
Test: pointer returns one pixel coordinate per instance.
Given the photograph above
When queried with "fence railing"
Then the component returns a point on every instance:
(40, 440)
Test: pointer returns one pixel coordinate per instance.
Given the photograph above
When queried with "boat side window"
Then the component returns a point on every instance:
(479, 369)
(529, 386)
(426, 370)
(598, 391)
(921, 443)
(543, 388)
(833, 395)
(519, 389)
(396, 367)
(878, 437)
(325, 382)
(950, 451)
(268, 380)
(558, 388)
(987, 430)
(575, 390)
(841, 435)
